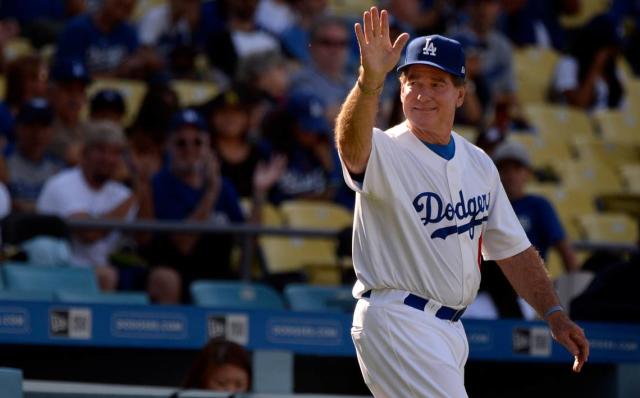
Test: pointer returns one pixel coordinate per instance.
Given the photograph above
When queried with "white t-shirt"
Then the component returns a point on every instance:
(156, 22)
(68, 193)
(421, 221)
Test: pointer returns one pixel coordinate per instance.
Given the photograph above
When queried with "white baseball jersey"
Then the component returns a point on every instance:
(421, 222)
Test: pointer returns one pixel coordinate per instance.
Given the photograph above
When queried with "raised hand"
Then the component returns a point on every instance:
(377, 55)
(266, 174)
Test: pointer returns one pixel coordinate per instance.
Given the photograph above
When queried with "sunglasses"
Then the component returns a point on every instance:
(181, 143)
(330, 42)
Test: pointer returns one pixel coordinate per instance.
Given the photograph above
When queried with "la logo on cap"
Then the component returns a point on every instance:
(429, 48)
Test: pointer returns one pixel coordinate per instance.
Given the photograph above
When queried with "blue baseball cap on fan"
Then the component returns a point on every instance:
(187, 117)
(437, 51)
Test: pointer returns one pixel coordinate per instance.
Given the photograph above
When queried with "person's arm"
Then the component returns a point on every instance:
(582, 96)
(528, 276)
(378, 56)
(569, 259)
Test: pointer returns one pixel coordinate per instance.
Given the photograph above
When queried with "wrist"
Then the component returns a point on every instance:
(369, 89)
(552, 310)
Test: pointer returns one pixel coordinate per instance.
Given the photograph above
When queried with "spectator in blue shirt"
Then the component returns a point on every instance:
(533, 23)
(105, 41)
(189, 189)
(29, 163)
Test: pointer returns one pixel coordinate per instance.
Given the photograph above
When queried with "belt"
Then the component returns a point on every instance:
(420, 303)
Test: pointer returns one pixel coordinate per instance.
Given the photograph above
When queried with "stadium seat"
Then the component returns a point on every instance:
(557, 121)
(235, 295)
(591, 176)
(17, 47)
(194, 92)
(470, 133)
(316, 214)
(609, 228)
(143, 6)
(48, 279)
(614, 154)
(543, 150)
(631, 176)
(302, 297)
(587, 10)
(26, 295)
(293, 254)
(618, 127)
(75, 296)
(633, 95)
(3, 86)
(11, 383)
(133, 92)
(568, 202)
(533, 68)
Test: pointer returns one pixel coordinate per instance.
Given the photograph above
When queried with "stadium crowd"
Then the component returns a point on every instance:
(78, 142)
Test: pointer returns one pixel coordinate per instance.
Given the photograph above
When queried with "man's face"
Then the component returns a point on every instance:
(429, 98)
(514, 176)
(34, 139)
(329, 48)
(231, 121)
(188, 146)
(68, 99)
(102, 160)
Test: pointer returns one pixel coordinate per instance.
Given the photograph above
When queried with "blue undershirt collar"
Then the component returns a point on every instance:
(444, 151)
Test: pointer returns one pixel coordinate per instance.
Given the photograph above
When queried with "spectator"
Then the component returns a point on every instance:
(624, 11)
(105, 41)
(245, 164)
(301, 132)
(220, 366)
(29, 162)
(423, 17)
(267, 75)
(276, 15)
(295, 39)
(587, 75)
(88, 191)
(108, 104)
(489, 55)
(327, 76)
(241, 37)
(538, 218)
(533, 23)
(26, 78)
(190, 188)
(68, 95)
(5, 201)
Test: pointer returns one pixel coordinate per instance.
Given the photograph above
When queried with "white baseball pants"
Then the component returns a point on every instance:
(404, 352)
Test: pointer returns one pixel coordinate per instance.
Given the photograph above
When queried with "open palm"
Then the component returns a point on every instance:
(377, 55)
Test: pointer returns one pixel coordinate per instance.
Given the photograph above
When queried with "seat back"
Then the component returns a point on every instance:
(49, 279)
(235, 295)
(11, 383)
(316, 214)
(78, 296)
(315, 298)
(609, 227)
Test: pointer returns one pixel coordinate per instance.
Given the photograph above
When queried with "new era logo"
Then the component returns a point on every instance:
(429, 48)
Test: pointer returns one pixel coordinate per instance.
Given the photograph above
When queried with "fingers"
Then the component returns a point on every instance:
(583, 349)
(384, 24)
(399, 44)
(375, 20)
(360, 35)
(368, 27)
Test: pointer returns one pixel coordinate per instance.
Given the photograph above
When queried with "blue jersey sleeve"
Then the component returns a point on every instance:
(551, 221)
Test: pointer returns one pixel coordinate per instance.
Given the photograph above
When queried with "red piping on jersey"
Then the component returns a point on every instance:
(479, 251)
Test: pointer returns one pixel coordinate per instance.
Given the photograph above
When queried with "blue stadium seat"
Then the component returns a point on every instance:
(76, 296)
(302, 297)
(48, 279)
(235, 295)
(11, 383)
(25, 295)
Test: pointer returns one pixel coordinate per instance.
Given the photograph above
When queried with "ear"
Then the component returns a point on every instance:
(461, 94)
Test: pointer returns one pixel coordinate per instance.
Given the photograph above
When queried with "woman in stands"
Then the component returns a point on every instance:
(220, 366)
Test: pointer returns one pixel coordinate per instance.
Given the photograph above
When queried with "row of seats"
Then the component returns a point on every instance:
(79, 285)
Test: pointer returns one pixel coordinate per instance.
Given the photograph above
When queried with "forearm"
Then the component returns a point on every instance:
(568, 256)
(355, 121)
(528, 276)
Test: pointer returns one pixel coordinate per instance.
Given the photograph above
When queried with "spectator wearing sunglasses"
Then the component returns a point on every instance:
(327, 75)
(190, 188)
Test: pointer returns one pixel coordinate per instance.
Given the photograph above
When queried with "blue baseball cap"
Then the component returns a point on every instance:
(109, 99)
(437, 51)
(35, 111)
(69, 69)
(187, 117)
(309, 110)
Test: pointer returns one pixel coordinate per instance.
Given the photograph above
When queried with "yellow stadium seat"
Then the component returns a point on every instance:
(631, 176)
(271, 215)
(593, 176)
(543, 150)
(3, 86)
(588, 9)
(293, 254)
(609, 227)
(569, 203)
(619, 127)
(316, 214)
(559, 122)
(194, 92)
(17, 47)
(470, 133)
(349, 8)
(133, 92)
(143, 6)
(633, 96)
(614, 154)
(533, 68)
